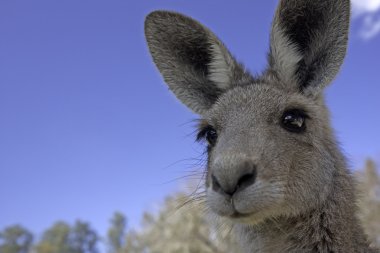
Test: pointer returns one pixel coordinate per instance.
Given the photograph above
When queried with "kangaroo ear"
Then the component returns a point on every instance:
(194, 63)
(308, 42)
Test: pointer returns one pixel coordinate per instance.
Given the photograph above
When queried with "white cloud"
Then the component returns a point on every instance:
(365, 6)
(367, 12)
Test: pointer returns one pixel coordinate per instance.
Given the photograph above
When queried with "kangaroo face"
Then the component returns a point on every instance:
(265, 148)
(269, 150)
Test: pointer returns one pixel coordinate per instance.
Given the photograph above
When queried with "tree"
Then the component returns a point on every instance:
(15, 239)
(61, 238)
(83, 238)
(116, 233)
(55, 239)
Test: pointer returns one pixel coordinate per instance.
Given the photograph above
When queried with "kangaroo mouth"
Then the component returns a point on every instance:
(237, 215)
(242, 218)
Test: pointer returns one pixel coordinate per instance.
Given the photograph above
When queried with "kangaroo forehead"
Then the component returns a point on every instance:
(256, 99)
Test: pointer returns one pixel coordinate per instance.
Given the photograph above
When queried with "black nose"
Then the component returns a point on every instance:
(242, 177)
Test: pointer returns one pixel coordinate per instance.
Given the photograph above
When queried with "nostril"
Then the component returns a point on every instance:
(215, 184)
(217, 187)
(246, 180)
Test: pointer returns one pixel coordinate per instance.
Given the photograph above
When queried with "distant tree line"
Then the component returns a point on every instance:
(180, 226)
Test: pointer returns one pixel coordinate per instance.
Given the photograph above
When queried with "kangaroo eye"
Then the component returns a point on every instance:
(209, 133)
(294, 121)
(211, 136)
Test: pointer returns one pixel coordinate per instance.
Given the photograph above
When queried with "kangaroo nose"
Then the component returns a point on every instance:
(230, 180)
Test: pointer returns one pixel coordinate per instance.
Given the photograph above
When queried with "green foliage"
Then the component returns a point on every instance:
(61, 238)
(55, 239)
(15, 239)
(83, 238)
(116, 233)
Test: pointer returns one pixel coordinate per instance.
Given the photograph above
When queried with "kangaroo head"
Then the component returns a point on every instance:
(270, 147)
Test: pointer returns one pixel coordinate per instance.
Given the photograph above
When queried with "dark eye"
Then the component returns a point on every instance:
(211, 136)
(209, 133)
(294, 120)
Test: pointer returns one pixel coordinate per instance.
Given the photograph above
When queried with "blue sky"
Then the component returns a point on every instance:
(87, 126)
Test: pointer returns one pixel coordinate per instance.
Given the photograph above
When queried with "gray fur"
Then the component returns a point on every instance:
(317, 32)
(302, 198)
(184, 52)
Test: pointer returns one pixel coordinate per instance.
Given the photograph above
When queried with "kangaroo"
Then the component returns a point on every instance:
(274, 167)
